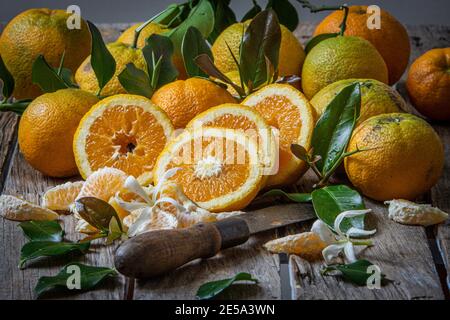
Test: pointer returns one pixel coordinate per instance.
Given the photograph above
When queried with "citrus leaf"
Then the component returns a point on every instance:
(90, 277)
(102, 61)
(42, 230)
(261, 40)
(205, 63)
(317, 39)
(160, 48)
(7, 80)
(46, 77)
(223, 17)
(296, 197)
(252, 12)
(286, 12)
(37, 249)
(16, 106)
(334, 128)
(201, 16)
(193, 45)
(356, 272)
(330, 201)
(96, 212)
(213, 288)
(135, 81)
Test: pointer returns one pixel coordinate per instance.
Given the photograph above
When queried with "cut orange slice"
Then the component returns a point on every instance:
(219, 169)
(103, 184)
(289, 113)
(124, 131)
(247, 120)
(61, 196)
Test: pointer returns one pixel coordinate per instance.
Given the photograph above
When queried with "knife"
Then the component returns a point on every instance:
(157, 252)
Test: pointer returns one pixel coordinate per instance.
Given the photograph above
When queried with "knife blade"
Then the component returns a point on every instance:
(157, 252)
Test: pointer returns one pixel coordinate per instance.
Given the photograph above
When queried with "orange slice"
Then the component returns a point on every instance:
(62, 196)
(220, 169)
(103, 184)
(124, 131)
(247, 120)
(289, 113)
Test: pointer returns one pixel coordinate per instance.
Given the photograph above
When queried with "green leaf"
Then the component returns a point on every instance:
(102, 61)
(90, 277)
(135, 81)
(261, 40)
(42, 230)
(160, 48)
(286, 12)
(96, 212)
(334, 128)
(330, 201)
(7, 80)
(16, 106)
(356, 272)
(296, 197)
(66, 75)
(223, 17)
(172, 15)
(114, 231)
(317, 39)
(37, 249)
(46, 77)
(205, 63)
(193, 45)
(252, 12)
(211, 289)
(201, 16)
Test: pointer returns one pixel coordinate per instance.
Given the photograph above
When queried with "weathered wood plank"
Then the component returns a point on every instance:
(440, 196)
(16, 284)
(8, 126)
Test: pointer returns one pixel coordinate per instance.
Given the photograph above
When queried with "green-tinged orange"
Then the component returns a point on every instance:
(123, 54)
(341, 58)
(376, 98)
(402, 157)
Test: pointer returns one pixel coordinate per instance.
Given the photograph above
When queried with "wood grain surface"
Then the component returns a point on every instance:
(415, 258)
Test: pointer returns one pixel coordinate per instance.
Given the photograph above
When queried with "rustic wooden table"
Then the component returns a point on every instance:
(416, 258)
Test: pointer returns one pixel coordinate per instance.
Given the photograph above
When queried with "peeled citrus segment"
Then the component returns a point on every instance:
(247, 120)
(220, 169)
(13, 208)
(124, 131)
(103, 184)
(307, 245)
(290, 115)
(62, 196)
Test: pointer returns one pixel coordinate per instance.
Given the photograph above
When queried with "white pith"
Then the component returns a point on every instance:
(208, 167)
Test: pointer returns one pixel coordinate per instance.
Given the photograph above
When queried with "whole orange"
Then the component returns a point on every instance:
(47, 128)
(391, 40)
(182, 100)
(41, 31)
(428, 84)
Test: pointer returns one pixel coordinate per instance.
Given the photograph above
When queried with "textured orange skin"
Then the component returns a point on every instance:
(428, 84)
(182, 100)
(41, 31)
(47, 128)
(392, 40)
(404, 157)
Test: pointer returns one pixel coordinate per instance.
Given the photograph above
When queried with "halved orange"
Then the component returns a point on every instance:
(289, 113)
(247, 120)
(219, 169)
(124, 131)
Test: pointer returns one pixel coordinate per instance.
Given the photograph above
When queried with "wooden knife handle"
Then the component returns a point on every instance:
(157, 252)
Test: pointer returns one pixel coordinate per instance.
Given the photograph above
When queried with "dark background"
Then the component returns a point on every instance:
(107, 11)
